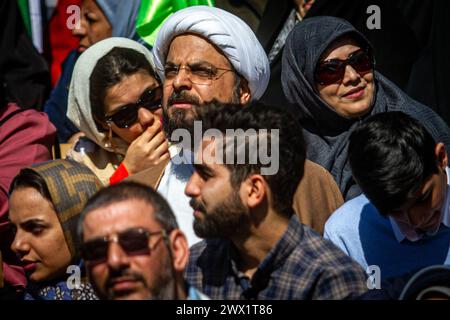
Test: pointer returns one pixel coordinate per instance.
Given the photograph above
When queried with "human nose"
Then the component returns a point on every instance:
(20, 245)
(117, 257)
(145, 117)
(193, 187)
(350, 75)
(182, 79)
(82, 30)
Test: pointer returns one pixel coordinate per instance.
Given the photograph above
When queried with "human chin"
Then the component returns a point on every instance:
(44, 273)
(129, 291)
(138, 295)
(40, 273)
(177, 119)
(354, 109)
(223, 220)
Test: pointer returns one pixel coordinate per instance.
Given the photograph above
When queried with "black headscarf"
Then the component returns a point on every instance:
(326, 131)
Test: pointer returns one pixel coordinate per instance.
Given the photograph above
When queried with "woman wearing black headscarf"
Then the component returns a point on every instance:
(328, 75)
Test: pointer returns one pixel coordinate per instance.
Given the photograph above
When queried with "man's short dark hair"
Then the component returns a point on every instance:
(123, 191)
(391, 155)
(256, 115)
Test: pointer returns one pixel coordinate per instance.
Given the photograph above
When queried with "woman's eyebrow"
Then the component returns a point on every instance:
(30, 222)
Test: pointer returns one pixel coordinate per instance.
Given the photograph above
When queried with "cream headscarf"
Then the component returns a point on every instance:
(79, 105)
(228, 32)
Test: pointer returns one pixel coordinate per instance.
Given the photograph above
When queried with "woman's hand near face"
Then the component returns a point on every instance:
(148, 150)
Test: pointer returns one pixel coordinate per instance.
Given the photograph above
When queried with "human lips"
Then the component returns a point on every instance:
(198, 209)
(29, 266)
(355, 93)
(81, 48)
(123, 284)
(182, 105)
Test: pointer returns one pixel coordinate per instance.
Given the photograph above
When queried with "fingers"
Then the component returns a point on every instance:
(161, 150)
(151, 131)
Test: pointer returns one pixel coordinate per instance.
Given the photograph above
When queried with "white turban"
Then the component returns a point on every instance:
(79, 104)
(228, 32)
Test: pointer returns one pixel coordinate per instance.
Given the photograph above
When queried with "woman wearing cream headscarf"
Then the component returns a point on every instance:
(114, 99)
(45, 204)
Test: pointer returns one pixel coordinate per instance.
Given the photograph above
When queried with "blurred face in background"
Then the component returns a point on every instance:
(94, 26)
(303, 6)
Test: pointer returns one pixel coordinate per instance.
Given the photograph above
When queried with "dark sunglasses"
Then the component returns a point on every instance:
(332, 71)
(127, 115)
(134, 241)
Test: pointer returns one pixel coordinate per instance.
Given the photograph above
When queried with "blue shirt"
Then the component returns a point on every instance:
(371, 239)
(194, 294)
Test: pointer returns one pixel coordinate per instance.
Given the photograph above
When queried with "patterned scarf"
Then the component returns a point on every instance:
(70, 185)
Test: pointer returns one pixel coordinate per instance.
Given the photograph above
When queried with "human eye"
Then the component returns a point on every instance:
(90, 17)
(330, 65)
(203, 71)
(203, 172)
(170, 71)
(34, 227)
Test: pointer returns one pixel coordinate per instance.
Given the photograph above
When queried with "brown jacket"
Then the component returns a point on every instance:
(317, 196)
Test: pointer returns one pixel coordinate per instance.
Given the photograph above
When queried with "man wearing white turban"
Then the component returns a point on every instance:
(227, 34)
(211, 42)
(204, 54)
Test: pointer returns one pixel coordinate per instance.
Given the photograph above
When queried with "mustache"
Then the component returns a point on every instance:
(183, 96)
(128, 274)
(197, 205)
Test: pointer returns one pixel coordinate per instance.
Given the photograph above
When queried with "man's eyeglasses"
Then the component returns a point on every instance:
(332, 71)
(134, 241)
(127, 115)
(197, 73)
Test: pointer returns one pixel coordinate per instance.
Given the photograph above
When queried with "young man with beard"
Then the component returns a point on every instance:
(204, 54)
(256, 247)
(132, 246)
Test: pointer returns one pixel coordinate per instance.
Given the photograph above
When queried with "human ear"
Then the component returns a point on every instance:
(441, 155)
(180, 250)
(254, 190)
(244, 92)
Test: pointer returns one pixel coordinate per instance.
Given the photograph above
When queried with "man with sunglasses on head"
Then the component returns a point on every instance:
(204, 54)
(132, 246)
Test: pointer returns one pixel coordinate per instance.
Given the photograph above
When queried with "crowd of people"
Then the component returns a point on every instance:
(134, 211)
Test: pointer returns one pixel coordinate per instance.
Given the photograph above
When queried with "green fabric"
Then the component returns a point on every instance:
(25, 11)
(153, 13)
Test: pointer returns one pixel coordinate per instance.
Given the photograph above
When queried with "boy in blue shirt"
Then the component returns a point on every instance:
(401, 223)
